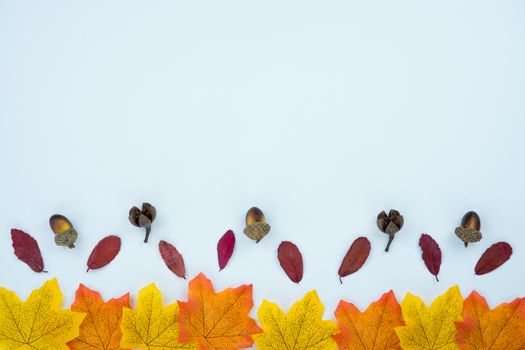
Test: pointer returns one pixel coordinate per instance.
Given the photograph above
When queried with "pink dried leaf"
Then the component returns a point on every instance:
(225, 248)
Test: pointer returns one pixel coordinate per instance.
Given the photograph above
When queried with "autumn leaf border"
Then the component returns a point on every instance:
(518, 315)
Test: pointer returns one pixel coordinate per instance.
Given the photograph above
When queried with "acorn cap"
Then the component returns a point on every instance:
(66, 239)
(257, 231)
(468, 235)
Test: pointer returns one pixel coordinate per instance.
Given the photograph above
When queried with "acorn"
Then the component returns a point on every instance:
(143, 218)
(390, 224)
(256, 226)
(469, 231)
(65, 233)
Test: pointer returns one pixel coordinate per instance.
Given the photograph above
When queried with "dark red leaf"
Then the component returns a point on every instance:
(291, 260)
(225, 248)
(26, 249)
(355, 257)
(172, 259)
(431, 254)
(104, 252)
(495, 256)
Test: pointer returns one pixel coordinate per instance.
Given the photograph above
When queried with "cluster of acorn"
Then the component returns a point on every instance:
(290, 258)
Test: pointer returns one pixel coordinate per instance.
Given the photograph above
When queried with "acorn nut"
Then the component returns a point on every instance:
(143, 218)
(390, 224)
(469, 231)
(65, 233)
(256, 226)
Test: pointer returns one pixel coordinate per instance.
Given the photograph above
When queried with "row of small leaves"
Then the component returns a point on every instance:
(221, 320)
(290, 258)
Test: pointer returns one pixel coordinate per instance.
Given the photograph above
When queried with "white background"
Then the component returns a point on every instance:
(320, 113)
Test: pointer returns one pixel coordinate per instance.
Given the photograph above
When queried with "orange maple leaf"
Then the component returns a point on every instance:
(217, 320)
(497, 329)
(372, 329)
(101, 327)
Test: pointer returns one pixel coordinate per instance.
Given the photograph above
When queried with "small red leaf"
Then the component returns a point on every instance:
(291, 260)
(26, 249)
(172, 259)
(104, 252)
(431, 254)
(355, 257)
(495, 256)
(225, 248)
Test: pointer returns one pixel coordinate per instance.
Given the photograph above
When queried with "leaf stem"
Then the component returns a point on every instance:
(148, 231)
(390, 239)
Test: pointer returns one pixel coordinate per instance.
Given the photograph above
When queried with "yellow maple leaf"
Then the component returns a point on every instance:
(39, 322)
(152, 325)
(431, 328)
(301, 328)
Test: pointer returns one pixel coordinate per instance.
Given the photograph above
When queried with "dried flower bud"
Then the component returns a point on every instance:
(65, 233)
(143, 218)
(469, 231)
(390, 224)
(256, 226)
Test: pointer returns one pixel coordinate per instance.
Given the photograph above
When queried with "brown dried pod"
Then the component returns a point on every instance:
(469, 230)
(390, 224)
(65, 233)
(256, 226)
(143, 218)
